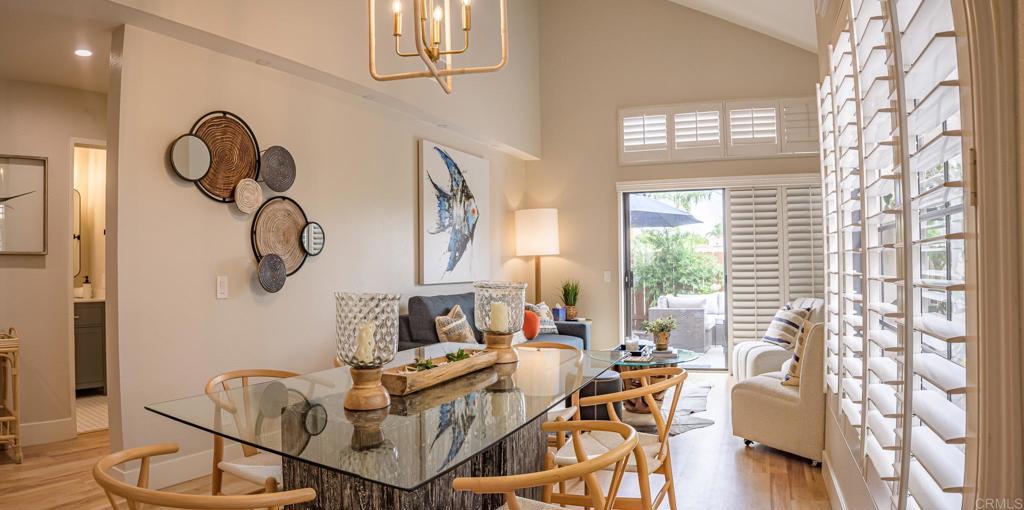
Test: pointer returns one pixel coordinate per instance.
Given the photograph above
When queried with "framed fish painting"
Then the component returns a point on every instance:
(454, 215)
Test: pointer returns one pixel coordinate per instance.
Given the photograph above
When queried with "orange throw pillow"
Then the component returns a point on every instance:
(531, 325)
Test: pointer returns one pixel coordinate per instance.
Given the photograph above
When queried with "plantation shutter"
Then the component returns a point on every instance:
(698, 131)
(753, 128)
(644, 136)
(799, 126)
(754, 260)
(804, 252)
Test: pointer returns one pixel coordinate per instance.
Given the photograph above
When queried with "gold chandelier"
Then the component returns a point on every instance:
(432, 47)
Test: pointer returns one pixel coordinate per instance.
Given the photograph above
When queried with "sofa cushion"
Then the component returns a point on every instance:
(454, 327)
(531, 324)
(547, 320)
(423, 310)
(791, 371)
(562, 339)
(763, 387)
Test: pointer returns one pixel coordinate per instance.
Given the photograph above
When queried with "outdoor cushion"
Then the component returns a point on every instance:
(685, 301)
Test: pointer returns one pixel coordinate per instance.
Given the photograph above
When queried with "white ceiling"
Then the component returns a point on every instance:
(40, 47)
(791, 21)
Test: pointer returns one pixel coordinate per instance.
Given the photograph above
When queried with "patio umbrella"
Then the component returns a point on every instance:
(647, 212)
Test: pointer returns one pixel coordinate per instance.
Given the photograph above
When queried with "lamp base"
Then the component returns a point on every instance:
(367, 393)
(502, 346)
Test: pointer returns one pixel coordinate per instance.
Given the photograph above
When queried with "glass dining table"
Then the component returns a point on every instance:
(486, 423)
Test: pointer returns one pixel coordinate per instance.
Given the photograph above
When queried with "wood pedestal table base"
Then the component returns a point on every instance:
(519, 452)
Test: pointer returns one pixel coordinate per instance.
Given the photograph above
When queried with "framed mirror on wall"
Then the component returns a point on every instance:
(76, 233)
(22, 205)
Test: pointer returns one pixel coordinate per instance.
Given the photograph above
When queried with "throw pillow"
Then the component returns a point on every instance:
(547, 321)
(785, 326)
(531, 324)
(454, 327)
(791, 372)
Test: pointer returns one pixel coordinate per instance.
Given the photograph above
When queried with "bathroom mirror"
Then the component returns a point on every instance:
(313, 238)
(76, 233)
(190, 157)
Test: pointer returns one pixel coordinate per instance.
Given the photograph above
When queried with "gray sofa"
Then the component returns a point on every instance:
(416, 329)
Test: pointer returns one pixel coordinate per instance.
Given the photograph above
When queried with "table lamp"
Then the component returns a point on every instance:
(536, 236)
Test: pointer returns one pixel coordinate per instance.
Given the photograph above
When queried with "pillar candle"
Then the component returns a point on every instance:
(499, 317)
(364, 343)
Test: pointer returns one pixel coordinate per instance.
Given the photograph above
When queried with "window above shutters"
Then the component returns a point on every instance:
(712, 130)
(753, 128)
(644, 136)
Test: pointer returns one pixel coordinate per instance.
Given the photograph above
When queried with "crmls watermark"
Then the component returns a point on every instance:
(999, 504)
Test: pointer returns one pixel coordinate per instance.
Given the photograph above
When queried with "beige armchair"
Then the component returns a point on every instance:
(788, 418)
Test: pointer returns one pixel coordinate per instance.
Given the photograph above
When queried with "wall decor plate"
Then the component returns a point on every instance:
(271, 273)
(234, 154)
(248, 195)
(277, 168)
(277, 229)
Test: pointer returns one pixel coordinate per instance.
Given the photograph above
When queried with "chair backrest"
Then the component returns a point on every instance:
(666, 378)
(584, 467)
(227, 401)
(142, 494)
(812, 365)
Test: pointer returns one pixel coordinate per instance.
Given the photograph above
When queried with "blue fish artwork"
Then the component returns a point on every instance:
(457, 212)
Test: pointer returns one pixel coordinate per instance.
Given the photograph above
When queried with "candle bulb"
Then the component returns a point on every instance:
(467, 22)
(364, 343)
(396, 7)
(499, 317)
(436, 32)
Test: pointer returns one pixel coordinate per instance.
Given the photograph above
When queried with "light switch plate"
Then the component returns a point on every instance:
(607, 277)
(222, 286)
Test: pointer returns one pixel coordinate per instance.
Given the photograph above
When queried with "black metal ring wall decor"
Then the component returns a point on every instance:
(234, 151)
(277, 229)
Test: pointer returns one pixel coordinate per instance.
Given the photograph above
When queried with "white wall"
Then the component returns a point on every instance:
(602, 55)
(357, 176)
(330, 37)
(35, 291)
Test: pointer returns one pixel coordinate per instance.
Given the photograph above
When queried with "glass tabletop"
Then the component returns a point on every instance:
(419, 437)
(681, 356)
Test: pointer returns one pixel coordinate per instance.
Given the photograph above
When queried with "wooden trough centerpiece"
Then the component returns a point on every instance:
(407, 379)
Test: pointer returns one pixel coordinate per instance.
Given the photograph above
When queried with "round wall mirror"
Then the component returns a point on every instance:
(190, 157)
(313, 238)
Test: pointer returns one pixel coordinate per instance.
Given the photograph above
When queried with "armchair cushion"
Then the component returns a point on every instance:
(784, 328)
(547, 320)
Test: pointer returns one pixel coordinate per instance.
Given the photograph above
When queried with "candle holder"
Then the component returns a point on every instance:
(499, 314)
(367, 330)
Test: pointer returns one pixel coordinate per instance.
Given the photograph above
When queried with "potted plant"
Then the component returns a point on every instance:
(660, 329)
(570, 296)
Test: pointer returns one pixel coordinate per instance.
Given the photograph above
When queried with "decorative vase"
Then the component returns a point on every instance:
(570, 312)
(661, 341)
(498, 313)
(367, 330)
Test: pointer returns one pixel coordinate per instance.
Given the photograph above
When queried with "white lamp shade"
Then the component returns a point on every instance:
(536, 232)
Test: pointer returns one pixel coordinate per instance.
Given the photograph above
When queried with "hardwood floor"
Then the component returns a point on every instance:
(713, 471)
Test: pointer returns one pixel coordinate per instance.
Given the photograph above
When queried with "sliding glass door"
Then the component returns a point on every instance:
(674, 263)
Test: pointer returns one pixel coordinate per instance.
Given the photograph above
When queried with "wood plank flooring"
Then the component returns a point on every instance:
(713, 471)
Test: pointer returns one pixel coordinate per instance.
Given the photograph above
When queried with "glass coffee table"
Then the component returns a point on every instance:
(637, 405)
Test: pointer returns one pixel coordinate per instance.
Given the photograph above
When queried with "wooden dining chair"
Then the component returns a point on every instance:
(141, 494)
(615, 458)
(570, 412)
(652, 455)
(261, 468)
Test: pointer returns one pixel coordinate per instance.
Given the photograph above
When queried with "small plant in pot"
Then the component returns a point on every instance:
(570, 296)
(660, 329)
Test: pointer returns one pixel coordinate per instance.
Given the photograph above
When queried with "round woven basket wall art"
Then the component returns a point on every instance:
(234, 154)
(277, 168)
(248, 196)
(277, 229)
(271, 273)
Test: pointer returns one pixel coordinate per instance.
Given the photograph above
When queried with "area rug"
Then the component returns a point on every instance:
(693, 400)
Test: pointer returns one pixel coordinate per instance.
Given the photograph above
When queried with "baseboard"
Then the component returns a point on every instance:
(42, 432)
(835, 494)
(173, 471)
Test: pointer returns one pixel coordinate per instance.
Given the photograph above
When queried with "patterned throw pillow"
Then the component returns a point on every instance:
(785, 326)
(454, 327)
(791, 370)
(547, 320)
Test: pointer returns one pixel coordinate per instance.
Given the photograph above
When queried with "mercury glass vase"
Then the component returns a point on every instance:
(367, 328)
(499, 306)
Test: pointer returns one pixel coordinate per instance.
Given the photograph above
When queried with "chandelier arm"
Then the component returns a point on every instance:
(464, 48)
(399, 52)
(421, 48)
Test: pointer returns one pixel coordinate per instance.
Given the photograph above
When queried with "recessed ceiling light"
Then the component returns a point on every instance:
(82, 52)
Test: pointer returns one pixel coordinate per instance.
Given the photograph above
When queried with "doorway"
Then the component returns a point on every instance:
(88, 260)
(674, 264)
